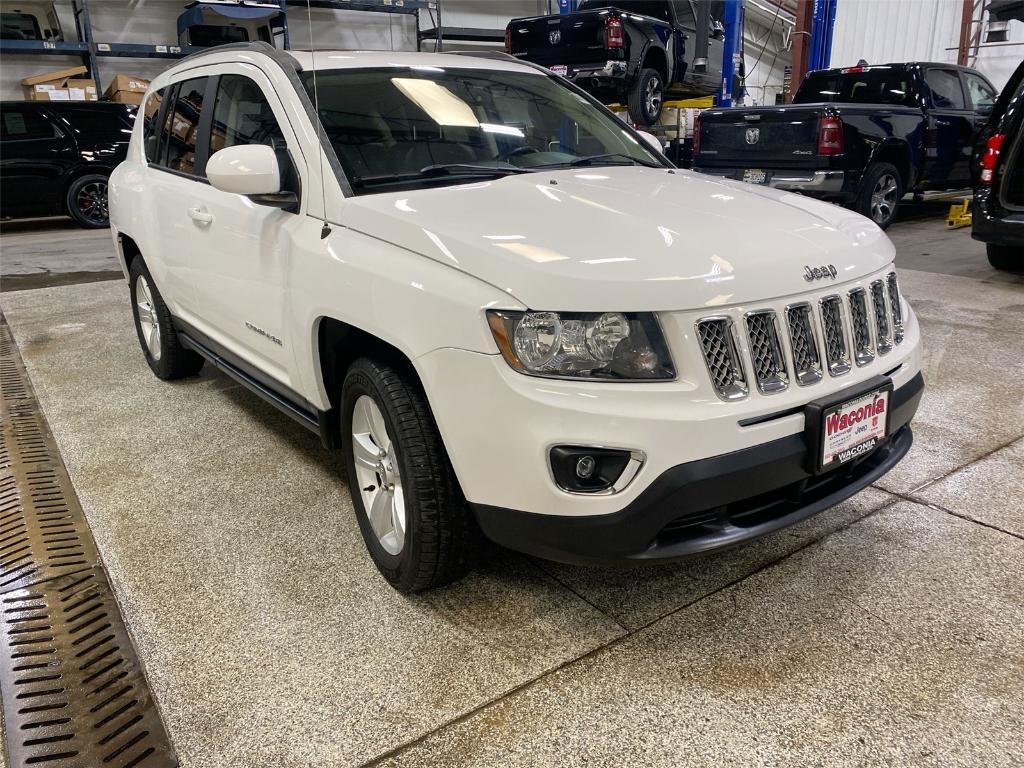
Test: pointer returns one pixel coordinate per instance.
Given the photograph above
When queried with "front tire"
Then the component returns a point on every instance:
(880, 192)
(86, 201)
(646, 97)
(166, 357)
(1005, 257)
(414, 519)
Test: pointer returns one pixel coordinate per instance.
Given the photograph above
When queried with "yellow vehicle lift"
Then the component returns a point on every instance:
(959, 215)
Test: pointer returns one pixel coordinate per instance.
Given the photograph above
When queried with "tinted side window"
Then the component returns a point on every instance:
(684, 13)
(109, 124)
(151, 136)
(243, 116)
(25, 124)
(983, 96)
(945, 87)
(182, 125)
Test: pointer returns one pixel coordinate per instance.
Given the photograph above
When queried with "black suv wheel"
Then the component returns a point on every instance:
(87, 201)
(880, 192)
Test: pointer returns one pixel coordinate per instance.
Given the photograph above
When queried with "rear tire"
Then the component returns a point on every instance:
(423, 533)
(166, 357)
(646, 97)
(1005, 257)
(86, 201)
(880, 192)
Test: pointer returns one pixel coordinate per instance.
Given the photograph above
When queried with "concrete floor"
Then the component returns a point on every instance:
(886, 631)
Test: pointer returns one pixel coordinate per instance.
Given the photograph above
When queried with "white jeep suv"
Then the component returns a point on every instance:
(515, 318)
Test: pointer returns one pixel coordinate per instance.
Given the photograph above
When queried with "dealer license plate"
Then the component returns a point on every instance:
(560, 69)
(755, 176)
(854, 428)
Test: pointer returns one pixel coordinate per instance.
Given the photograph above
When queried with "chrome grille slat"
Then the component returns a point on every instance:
(718, 344)
(769, 364)
(883, 333)
(837, 352)
(804, 346)
(896, 307)
(863, 352)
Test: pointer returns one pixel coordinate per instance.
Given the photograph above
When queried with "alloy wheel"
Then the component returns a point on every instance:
(91, 202)
(378, 475)
(652, 97)
(883, 198)
(148, 324)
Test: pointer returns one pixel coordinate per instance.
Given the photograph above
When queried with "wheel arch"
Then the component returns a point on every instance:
(897, 154)
(129, 251)
(656, 59)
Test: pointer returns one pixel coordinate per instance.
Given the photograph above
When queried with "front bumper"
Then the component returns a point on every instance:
(809, 182)
(707, 504)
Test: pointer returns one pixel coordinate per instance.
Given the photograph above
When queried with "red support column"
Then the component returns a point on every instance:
(801, 44)
(966, 18)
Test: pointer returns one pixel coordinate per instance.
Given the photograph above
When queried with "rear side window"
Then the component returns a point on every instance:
(983, 96)
(182, 127)
(877, 85)
(25, 125)
(19, 26)
(242, 115)
(945, 88)
(151, 136)
(209, 35)
(111, 124)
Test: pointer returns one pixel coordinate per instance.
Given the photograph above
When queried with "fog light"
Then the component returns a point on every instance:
(585, 467)
(581, 469)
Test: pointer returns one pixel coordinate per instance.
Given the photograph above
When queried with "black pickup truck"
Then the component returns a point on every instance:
(863, 136)
(636, 52)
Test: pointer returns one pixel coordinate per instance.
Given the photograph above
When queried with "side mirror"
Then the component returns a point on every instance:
(251, 170)
(652, 140)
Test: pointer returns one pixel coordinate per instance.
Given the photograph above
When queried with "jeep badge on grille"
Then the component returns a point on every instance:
(820, 273)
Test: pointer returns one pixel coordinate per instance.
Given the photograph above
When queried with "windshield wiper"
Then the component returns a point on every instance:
(592, 159)
(440, 169)
(454, 169)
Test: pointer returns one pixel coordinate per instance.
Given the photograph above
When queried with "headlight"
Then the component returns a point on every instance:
(607, 345)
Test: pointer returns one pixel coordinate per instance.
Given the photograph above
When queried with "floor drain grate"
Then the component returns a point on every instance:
(74, 693)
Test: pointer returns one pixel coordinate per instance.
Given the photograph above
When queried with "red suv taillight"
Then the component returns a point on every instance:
(696, 133)
(830, 136)
(990, 159)
(508, 39)
(613, 34)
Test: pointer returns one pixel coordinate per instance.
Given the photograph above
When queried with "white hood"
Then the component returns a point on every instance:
(626, 238)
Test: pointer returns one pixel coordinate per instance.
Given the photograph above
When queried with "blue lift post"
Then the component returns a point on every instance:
(822, 24)
(566, 6)
(732, 54)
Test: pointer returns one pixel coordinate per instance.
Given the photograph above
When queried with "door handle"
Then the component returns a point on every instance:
(199, 216)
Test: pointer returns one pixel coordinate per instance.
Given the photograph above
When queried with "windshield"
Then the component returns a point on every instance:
(403, 128)
(877, 85)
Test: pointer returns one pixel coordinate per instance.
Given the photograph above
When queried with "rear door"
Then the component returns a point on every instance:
(242, 250)
(35, 155)
(981, 98)
(951, 128)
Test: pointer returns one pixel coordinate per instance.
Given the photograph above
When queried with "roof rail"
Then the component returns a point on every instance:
(258, 46)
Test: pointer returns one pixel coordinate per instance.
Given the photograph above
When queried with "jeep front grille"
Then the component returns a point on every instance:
(863, 352)
(719, 346)
(804, 341)
(837, 353)
(769, 364)
(806, 360)
(896, 307)
(883, 333)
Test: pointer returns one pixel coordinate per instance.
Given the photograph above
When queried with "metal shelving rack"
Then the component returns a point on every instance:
(89, 49)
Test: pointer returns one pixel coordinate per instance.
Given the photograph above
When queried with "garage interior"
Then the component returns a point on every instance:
(884, 631)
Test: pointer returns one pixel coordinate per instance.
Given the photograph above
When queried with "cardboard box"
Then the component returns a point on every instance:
(127, 89)
(153, 105)
(82, 89)
(217, 140)
(59, 85)
(181, 127)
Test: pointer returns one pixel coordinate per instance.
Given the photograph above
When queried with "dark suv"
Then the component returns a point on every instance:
(998, 219)
(56, 157)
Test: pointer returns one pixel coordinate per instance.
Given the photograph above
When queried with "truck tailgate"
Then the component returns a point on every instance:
(773, 137)
(571, 38)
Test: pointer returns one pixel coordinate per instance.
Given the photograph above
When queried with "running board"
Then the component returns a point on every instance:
(310, 420)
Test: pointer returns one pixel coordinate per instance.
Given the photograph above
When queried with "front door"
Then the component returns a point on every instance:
(243, 250)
